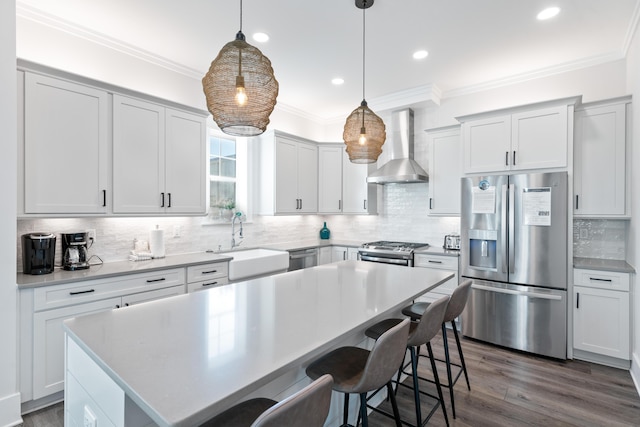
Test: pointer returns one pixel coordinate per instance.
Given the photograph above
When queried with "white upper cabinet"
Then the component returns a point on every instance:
(445, 170)
(65, 147)
(342, 185)
(330, 179)
(185, 162)
(158, 159)
(524, 138)
(358, 197)
(288, 174)
(600, 180)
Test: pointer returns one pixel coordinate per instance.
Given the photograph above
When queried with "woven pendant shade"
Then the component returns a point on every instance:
(239, 59)
(375, 133)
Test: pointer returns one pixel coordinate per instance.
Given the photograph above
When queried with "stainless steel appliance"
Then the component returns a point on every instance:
(303, 258)
(452, 242)
(400, 253)
(514, 248)
(75, 251)
(38, 253)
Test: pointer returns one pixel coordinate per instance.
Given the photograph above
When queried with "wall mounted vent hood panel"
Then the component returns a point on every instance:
(402, 168)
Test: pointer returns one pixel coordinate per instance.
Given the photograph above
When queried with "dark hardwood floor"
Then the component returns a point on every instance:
(508, 388)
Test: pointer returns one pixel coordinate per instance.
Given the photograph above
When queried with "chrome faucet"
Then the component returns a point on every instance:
(237, 216)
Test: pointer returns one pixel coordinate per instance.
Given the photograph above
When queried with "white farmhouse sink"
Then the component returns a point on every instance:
(256, 262)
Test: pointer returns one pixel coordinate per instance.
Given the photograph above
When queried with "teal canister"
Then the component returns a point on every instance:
(324, 232)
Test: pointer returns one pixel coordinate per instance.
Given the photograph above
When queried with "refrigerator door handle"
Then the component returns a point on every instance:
(513, 292)
(503, 230)
(512, 224)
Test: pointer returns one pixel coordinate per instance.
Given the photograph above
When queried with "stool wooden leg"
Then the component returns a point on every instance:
(345, 413)
(437, 381)
(394, 405)
(363, 409)
(464, 367)
(448, 363)
(416, 391)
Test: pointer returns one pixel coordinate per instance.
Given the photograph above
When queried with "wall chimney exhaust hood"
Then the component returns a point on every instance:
(402, 168)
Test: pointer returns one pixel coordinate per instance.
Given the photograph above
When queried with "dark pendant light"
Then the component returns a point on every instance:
(364, 132)
(240, 88)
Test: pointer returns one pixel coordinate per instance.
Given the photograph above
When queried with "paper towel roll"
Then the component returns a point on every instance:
(156, 242)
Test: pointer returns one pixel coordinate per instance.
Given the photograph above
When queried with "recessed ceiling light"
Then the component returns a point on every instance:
(420, 54)
(548, 13)
(261, 37)
(337, 81)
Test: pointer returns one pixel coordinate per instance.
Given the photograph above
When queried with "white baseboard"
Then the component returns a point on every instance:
(10, 410)
(635, 370)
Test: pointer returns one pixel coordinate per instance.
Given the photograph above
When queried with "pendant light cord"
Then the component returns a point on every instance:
(240, 15)
(363, 46)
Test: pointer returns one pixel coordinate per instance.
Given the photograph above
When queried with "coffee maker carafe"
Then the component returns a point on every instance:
(74, 250)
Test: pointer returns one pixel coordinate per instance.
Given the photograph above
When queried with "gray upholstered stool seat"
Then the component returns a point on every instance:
(356, 370)
(307, 408)
(415, 310)
(456, 305)
(420, 333)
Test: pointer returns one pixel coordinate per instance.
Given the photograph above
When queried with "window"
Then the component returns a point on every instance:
(222, 175)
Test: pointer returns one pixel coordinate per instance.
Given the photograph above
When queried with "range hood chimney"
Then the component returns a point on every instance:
(402, 168)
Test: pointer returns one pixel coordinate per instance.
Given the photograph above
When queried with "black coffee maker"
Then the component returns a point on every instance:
(74, 251)
(38, 253)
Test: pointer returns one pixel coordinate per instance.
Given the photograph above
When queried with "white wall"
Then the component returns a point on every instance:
(9, 397)
(633, 253)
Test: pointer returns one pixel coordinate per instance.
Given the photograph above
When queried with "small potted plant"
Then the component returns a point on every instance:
(227, 209)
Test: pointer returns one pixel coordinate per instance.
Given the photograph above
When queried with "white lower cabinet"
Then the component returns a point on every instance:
(439, 262)
(342, 253)
(325, 255)
(200, 277)
(44, 309)
(601, 315)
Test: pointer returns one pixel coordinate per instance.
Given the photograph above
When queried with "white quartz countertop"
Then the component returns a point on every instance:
(119, 268)
(318, 243)
(603, 264)
(437, 250)
(185, 358)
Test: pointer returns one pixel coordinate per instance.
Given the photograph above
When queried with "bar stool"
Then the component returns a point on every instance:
(419, 333)
(356, 370)
(307, 408)
(456, 305)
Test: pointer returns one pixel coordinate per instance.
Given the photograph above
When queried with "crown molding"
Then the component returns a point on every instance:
(33, 14)
(537, 74)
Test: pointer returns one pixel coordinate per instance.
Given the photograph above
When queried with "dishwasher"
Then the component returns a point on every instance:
(303, 258)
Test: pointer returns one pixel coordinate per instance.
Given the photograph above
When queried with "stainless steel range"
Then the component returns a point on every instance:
(399, 253)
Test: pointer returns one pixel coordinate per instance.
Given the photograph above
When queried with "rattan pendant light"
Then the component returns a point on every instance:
(240, 88)
(364, 132)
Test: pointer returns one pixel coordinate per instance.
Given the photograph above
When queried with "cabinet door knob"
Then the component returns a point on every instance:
(578, 300)
(162, 203)
(104, 198)
(169, 204)
(514, 157)
(506, 158)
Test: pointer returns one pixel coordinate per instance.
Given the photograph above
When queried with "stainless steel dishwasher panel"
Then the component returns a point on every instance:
(304, 258)
(525, 318)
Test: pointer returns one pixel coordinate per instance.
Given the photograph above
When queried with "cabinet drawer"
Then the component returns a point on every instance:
(197, 273)
(49, 297)
(611, 280)
(435, 261)
(206, 284)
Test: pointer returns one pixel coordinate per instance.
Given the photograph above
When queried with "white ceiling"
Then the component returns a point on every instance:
(471, 43)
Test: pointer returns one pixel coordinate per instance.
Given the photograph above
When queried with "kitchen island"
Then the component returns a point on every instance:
(180, 360)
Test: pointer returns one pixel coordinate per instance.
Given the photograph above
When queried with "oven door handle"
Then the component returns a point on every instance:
(383, 260)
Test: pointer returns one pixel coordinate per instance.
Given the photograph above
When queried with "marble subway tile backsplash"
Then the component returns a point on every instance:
(600, 238)
(402, 216)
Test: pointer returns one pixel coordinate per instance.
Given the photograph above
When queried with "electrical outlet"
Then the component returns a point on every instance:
(90, 419)
(91, 235)
(177, 231)
(584, 233)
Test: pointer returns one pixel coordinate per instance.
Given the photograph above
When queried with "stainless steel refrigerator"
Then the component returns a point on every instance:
(513, 231)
